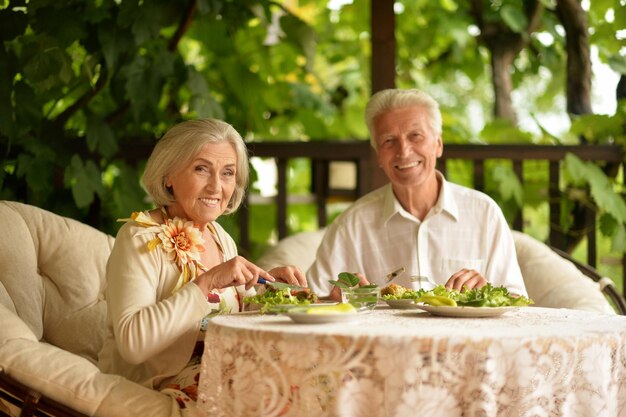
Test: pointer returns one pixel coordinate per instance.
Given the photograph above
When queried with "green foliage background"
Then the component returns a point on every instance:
(81, 83)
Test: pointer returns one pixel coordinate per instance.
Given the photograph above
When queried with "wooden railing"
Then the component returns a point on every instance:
(322, 154)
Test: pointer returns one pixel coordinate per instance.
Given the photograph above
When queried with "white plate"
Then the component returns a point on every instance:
(284, 308)
(448, 311)
(402, 304)
(307, 318)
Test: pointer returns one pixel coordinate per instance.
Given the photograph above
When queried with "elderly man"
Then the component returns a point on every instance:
(419, 229)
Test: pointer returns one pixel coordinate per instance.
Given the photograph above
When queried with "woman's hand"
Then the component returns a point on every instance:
(469, 278)
(234, 272)
(335, 293)
(289, 274)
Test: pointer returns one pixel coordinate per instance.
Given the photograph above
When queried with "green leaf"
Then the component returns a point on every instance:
(126, 191)
(509, 185)
(601, 189)
(575, 168)
(85, 181)
(281, 285)
(63, 24)
(595, 127)
(514, 18)
(201, 100)
(548, 4)
(147, 22)
(339, 284)
(46, 63)
(369, 286)
(618, 243)
(302, 35)
(115, 42)
(100, 136)
(7, 124)
(313, 125)
(503, 131)
(607, 224)
(603, 194)
(36, 169)
(618, 63)
(565, 213)
(348, 279)
(143, 87)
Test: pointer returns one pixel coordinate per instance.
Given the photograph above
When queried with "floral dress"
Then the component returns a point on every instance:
(183, 242)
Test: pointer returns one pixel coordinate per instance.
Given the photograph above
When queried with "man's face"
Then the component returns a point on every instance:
(407, 147)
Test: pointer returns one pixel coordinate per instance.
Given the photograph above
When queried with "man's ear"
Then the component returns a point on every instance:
(439, 146)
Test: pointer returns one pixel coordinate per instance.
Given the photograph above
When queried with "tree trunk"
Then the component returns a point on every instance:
(578, 89)
(504, 44)
(574, 20)
(501, 61)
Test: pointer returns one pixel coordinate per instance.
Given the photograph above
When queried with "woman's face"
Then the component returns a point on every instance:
(203, 188)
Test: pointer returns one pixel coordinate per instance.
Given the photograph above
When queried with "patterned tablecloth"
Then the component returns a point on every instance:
(529, 362)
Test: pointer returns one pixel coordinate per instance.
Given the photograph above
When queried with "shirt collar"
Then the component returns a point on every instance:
(445, 203)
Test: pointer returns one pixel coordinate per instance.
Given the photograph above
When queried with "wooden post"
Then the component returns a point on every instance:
(518, 222)
(281, 198)
(383, 25)
(383, 65)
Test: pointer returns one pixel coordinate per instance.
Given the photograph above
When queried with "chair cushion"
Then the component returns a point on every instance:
(552, 281)
(298, 250)
(57, 286)
(53, 315)
(79, 384)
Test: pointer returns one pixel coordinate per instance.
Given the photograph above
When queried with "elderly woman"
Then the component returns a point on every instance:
(174, 265)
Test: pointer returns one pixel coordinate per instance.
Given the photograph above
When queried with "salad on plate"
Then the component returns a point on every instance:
(486, 296)
(280, 299)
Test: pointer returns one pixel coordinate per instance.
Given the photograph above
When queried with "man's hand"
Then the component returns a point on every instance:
(335, 293)
(469, 278)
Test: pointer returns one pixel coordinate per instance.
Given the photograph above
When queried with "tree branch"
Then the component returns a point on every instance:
(183, 27)
(62, 118)
(534, 11)
(476, 10)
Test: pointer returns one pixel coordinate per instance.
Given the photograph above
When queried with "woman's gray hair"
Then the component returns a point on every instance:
(392, 98)
(179, 147)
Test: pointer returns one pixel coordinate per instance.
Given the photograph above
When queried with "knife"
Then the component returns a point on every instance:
(280, 285)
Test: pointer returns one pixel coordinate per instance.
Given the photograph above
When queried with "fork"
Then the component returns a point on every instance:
(394, 274)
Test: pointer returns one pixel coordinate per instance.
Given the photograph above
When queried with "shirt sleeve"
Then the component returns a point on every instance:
(503, 268)
(230, 251)
(145, 315)
(335, 254)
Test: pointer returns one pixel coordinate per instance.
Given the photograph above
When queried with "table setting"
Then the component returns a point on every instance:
(397, 358)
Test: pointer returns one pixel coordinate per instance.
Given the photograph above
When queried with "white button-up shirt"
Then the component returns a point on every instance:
(377, 236)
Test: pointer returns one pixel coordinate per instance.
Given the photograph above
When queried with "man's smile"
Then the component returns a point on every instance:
(408, 165)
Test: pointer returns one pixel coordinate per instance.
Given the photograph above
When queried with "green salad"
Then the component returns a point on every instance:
(487, 296)
(275, 300)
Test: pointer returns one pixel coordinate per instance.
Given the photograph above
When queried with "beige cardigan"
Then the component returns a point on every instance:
(156, 330)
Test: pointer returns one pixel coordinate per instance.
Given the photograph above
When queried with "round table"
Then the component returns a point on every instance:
(528, 362)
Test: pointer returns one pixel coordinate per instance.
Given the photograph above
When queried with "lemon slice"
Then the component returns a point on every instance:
(332, 309)
(436, 300)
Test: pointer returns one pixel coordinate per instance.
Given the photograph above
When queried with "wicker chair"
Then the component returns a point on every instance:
(52, 322)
